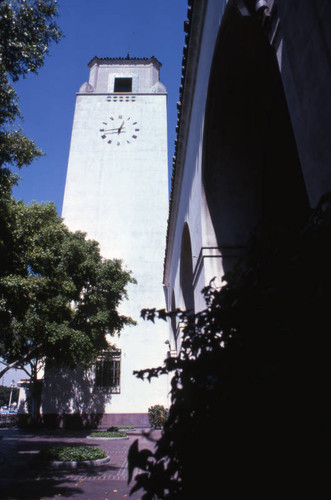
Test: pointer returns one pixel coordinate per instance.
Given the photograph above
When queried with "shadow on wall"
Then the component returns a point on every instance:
(70, 398)
(251, 169)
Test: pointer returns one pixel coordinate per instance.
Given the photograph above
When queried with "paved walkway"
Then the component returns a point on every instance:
(21, 478)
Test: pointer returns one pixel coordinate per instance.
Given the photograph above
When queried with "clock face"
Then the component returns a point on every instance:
(119, 129)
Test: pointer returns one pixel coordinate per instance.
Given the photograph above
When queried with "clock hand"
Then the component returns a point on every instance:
(119, 130)
(114, 132)
(107, 129)
(109, 133)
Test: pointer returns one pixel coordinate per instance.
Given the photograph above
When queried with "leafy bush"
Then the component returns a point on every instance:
(72, 453)
(157, 415)
(115, 428)
(108, 434)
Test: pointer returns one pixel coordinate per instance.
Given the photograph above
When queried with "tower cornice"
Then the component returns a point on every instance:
(124, 60)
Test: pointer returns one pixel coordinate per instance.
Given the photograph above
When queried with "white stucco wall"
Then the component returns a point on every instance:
(145, 74)
(119, 196)
(189, 201)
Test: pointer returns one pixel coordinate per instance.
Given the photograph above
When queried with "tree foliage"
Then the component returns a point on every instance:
(27, 28)
(58, 296)
(250, 382)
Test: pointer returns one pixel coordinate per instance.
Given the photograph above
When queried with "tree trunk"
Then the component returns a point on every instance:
(35, 397)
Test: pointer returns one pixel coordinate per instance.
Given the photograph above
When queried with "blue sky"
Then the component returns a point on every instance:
(103, 28)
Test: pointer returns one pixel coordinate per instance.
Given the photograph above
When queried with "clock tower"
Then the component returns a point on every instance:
(117, 192)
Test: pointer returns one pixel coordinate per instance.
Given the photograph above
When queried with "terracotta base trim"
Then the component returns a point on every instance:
(92, 420)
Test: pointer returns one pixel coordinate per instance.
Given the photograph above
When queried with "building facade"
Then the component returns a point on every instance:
(117, 192)
(252, 142)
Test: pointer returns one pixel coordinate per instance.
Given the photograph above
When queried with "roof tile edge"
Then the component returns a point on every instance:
(121, 60)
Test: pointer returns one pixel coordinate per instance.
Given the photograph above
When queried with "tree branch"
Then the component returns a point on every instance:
(19, 361)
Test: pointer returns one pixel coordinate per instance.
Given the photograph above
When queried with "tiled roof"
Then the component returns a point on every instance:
(123, 59)
(187, 29)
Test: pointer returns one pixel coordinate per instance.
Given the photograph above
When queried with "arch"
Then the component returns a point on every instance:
(250, 172)
(186, 270)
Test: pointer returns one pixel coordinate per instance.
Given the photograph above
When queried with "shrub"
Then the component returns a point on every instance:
(72, 453)
(157, 415)
(115, 428)
(108, 434)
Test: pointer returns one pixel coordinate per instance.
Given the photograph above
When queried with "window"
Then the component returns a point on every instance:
(123, 85)
(108, 371)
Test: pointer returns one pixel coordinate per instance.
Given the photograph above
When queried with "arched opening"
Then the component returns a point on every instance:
(251, 171)
(186, 270)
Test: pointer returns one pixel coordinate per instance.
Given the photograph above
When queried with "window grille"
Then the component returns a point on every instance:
(108, 371)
